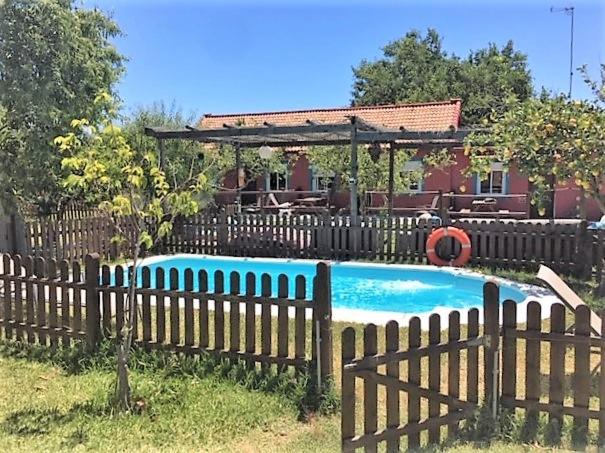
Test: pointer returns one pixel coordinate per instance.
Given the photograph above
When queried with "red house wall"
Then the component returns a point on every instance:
(449, 180)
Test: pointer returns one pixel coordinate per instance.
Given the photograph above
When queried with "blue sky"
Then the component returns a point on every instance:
(240, 56)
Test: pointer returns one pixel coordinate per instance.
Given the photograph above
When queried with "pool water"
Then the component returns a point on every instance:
(375, 287)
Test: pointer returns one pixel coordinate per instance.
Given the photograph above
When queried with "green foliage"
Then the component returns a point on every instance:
(374, 175)
(550, 136)
(102, 168)
(54, 60)
(415, 68)
(596, 86)
(185, 157)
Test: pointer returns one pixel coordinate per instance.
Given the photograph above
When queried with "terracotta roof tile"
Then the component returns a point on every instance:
(430, 116)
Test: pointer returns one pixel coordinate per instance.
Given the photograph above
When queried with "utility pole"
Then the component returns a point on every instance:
(569, 11)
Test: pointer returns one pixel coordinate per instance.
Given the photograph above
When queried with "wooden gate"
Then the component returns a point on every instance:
(432, 401)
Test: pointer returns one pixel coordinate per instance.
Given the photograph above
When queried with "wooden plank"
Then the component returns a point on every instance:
(601, 440)
(348, 400)
(234, 321)
(28, 265)
(146, 305)
(300, 335)
(532, 369)
(434, 375)
(119, 299)
(219, 311)
(392, 370)
(8, 299)
(453, 367)
(491, 329)
(202, 286)
(160, 306)
(265, 332)
(282, 318)
(106, 300)
(65, 300)
(250, 314)
(472, 360)
(370, 389)
(52, 299)
(556, 387)
(509, 350)
(189, 325)
(581, 381)
(414, 378)
(41, 273)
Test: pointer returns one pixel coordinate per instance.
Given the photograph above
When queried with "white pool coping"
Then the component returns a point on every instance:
(535, 293)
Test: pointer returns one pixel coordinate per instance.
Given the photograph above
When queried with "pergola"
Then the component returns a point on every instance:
(351, 133)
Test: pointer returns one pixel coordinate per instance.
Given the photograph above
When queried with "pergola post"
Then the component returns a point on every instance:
(391, 177)
(238, 165)
(353, 178)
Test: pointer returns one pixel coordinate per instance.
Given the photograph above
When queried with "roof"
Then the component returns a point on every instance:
(429, 116)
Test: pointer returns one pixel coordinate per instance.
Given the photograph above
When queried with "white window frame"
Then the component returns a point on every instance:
(413, 166)
(494, 167)
(316, 177)
(286, 178)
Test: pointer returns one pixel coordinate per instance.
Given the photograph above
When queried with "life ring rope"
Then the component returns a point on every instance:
(459, 235)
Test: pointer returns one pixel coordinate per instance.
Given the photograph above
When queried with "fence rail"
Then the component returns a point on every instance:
(556, 368)
(231, 316)
(567, 248)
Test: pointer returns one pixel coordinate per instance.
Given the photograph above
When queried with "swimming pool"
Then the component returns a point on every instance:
(364, 287)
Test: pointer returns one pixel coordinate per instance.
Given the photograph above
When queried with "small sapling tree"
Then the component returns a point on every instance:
(128, 185)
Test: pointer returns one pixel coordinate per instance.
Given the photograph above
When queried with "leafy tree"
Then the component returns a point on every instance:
(597, 87)
(373, 174)
(542, 137)
(415, 68)
(183, 157)
(126, 182)
(54, 60)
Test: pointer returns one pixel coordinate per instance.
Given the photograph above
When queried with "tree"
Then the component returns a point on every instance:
(373, 173)
(184, 156)
(54, 60)
(542, 137)
(126, 182)
(415, 68)
(597, 87)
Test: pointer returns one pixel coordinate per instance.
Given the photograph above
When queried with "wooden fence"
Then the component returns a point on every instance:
(416, 392)
(567, 248)
(234, 316)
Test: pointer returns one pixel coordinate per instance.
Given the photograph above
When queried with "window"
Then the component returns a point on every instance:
(276, 181)
(413, 171)
(322, 181)
(496, 181)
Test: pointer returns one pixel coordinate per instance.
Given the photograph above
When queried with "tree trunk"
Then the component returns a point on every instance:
(123, 394)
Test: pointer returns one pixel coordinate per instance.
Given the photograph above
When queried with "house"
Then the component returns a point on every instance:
(503, 193)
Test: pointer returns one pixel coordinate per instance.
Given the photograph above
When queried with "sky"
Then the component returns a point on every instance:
(246, 56)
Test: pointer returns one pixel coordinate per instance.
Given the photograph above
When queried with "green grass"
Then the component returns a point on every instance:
(42, 407)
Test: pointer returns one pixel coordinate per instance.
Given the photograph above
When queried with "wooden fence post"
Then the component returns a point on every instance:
(323, 299)
(583, 253)
(93, 312)
(491, 331)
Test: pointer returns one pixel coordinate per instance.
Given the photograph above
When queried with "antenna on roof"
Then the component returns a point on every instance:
(569, 11)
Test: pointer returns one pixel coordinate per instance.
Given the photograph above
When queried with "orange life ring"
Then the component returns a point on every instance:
(456, 233)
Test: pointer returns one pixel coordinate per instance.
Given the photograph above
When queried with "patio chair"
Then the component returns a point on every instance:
(567, 296)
